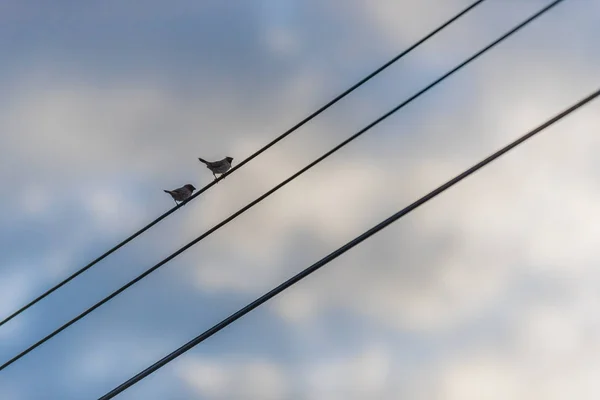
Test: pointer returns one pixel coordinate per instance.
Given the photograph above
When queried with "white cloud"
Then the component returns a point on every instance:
(366, 375)
(110, 349)
(110, 208)
(234, 379)
(493, 375)
(481, 379)
(401, 19)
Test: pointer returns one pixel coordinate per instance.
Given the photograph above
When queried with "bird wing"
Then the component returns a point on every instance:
(179, 191)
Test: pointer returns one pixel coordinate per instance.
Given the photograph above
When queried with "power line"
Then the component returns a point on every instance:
(316, 266)
(282, 184)
(256, 154)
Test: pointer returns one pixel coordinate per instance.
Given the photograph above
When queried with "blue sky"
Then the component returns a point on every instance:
(489, 291)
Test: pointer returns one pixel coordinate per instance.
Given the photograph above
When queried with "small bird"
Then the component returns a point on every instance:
(181, 194)
(218, 167)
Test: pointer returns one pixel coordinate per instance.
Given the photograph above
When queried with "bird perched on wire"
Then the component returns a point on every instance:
(218, 167)
(181, 194)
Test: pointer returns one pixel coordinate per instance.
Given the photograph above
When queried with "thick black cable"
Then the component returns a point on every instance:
(256, 154)
(279, 186)
(316, 266)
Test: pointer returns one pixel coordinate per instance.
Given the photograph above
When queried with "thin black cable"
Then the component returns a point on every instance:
(316, 266)
(257, 153)
(279, 186)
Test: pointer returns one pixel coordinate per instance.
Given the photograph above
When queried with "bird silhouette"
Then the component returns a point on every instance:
(218, 167)
(181, 194)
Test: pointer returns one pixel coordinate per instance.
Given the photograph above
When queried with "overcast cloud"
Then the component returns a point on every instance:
(490, 291)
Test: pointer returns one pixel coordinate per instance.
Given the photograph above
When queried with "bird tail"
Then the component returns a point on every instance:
(167, 191)
(204, 161)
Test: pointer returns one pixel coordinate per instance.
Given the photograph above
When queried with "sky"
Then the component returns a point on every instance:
(490, 291)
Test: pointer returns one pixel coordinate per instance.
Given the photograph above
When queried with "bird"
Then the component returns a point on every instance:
(181, 194)
(218, 167)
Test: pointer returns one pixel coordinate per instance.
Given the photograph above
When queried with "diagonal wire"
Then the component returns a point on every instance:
(256, 154)
(282, 184)
(356, 241)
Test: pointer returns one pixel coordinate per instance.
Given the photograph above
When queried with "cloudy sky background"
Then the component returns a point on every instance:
(489, 291)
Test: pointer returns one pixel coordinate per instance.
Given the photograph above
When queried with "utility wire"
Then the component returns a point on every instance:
(256, 154)
(282, 184)
(316, 266)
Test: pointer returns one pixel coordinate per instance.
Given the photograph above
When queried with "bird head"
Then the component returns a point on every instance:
(230, 159)
(190, 187)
